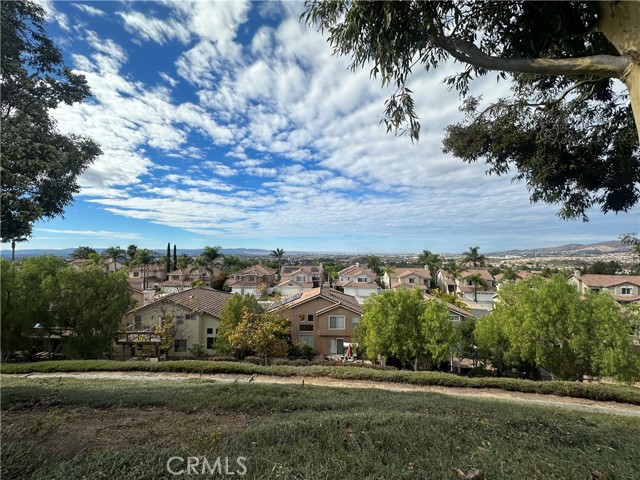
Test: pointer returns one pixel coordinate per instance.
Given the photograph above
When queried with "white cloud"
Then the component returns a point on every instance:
(88, 9)
(92, 233)
(154, 29)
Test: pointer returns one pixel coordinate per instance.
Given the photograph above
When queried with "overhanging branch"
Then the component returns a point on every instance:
(608, 66)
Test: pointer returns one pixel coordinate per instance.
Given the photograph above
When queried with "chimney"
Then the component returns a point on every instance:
(576, 273)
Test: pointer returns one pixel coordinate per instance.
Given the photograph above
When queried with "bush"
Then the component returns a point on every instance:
(253, 359)
(341, 371)
(197, 350)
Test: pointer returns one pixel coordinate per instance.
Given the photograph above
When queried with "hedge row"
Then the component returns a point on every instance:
(603, 392)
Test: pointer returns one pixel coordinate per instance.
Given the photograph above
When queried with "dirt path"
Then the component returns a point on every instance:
(496, 394)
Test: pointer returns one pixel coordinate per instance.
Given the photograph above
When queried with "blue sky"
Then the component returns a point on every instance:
(230, 123)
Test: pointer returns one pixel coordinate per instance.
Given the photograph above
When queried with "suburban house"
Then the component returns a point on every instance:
(520, 275)
(195, 313)
(250, 280)
(183, 278)
(295, 279)
(456, 314)
(410, 277)
(107, 263)
(358, 282)
(144, 277)
(623, 288)
(469, 290)
(113, 265)
(322, 318)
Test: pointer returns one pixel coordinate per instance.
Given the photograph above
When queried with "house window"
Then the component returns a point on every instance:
(137, 322)
(306, 339)
(595, 290)
(336, 346)
(362, 279)
(626, 290)
(179, 320)
(305, 327)
(189, 316)
(136, 274)
(412, 280)
(252, 279)
(454, 318)
(355, 321)
(238, 277)
(180, 345)
(310, 317)
(336, 323)
(210, 342)
(300, 278)
(209, 331)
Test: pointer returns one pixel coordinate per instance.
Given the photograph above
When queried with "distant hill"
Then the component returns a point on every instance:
(569, 250)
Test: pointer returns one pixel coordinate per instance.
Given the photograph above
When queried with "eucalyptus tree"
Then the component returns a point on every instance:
(570, 127)
(40, 165)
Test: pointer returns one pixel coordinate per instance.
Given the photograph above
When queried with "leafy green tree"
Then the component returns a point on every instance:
(91, 304)
(432, 261)
(567, 129)
(633, 241)
(547, 323)
(25, 301)
(81, 253)
(40, 166)
(230, 317)
(604, 268)
(265, 333)
(509, 274)
(166, 332)
(374, 264)
(207, 260)
(474, 257)
(233, 263)
(453, 269)
(401, 324)
(184, 260)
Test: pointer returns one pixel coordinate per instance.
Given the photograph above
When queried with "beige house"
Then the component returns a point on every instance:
(358, 282)
(195, 313)
(143, 277)
(322, 318)
(410, 277)
(183, 278)
(250, 280)
(623, 288)
(296, 279)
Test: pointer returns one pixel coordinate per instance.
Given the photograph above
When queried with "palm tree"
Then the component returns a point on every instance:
(454, 269)
(389, 270)
(472, 256)
(114, 254)
(145, 257)
(207, 260)
(476, 279)
(278, 253)
(13, 245)
(131, 252)
(373, 263)
(184, 260)
(432, 261)
(509, 274)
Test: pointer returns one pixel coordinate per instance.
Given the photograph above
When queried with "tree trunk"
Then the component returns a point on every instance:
(620, 23)
(13, 250)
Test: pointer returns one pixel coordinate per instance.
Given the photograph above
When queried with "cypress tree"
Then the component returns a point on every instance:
(175, 257)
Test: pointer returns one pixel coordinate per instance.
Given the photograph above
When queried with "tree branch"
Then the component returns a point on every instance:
(608, 66)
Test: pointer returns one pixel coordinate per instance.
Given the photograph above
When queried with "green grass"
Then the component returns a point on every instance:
(603, 392)
(127, 429)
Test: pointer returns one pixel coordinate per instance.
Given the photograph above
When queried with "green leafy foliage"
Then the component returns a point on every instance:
(40, 166)
(567, 130)
(230, 317)
(266, 334)
(400, 324)
(548, 324)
